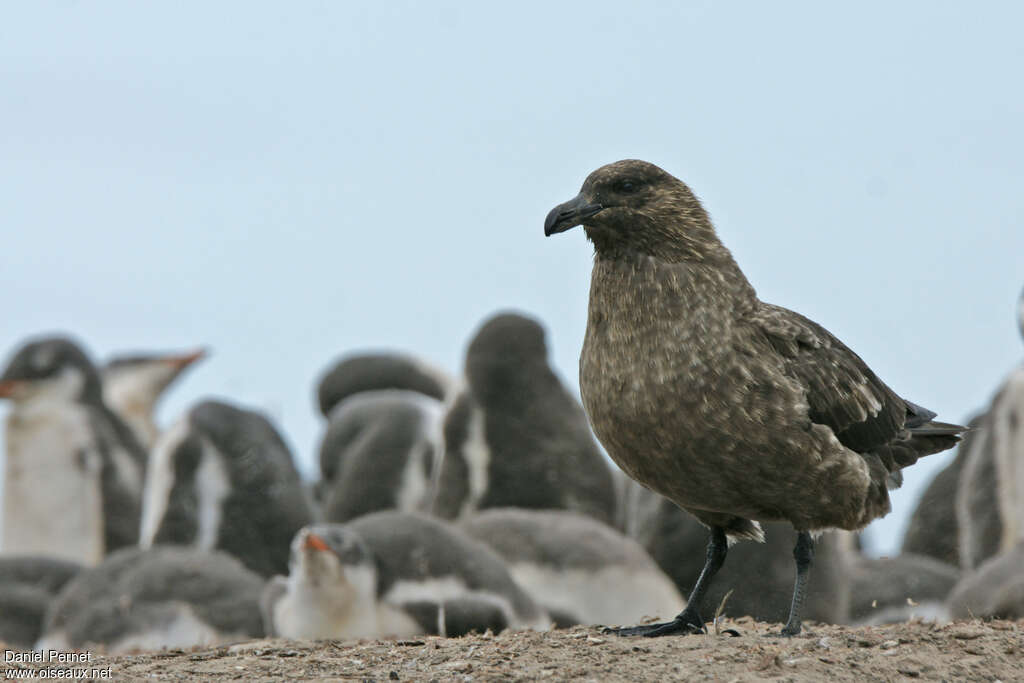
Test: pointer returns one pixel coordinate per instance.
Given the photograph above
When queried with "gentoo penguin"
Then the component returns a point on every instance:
(933, 529)
(134, 383)
(578, 569)
(73, 470)
(372, 371)
(379, 453)
(994, 590)
(167, 597)
(394, 574)
(223, 478)
(27, 586)
(757, 582)
(894, 589)
(515, 437)
(990, 499)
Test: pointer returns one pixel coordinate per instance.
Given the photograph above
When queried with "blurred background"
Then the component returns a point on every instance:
(283, 183)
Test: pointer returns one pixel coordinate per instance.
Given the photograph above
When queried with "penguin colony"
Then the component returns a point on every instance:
(449, 506)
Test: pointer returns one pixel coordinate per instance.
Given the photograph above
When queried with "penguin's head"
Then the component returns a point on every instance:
(332, 556)
(50, 368)
(375, 371)
(246, 440)
(136, 382)
(506, 351)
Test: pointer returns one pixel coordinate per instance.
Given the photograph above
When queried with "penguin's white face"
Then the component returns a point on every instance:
(64, 385)
(330, 557)
(137, 387)
(47, 370)
(313, 562)
(136, 384)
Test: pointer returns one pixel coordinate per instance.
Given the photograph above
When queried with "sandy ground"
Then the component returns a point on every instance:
(974, 651)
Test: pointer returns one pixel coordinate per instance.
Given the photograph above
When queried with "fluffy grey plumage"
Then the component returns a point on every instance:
(223, 478)
(410, 548)
(990, 498)
(994, 590)
(374, 371)
(933, 529)
(150, 599)
(27, 586)
(893, 589)
(580, 570)
(735, 409)
(379, 453)
(515, 437)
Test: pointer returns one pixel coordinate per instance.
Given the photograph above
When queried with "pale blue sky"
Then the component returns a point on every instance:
(285, 182)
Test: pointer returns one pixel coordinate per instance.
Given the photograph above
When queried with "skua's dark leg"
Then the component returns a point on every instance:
(689, 620)
(803, 553)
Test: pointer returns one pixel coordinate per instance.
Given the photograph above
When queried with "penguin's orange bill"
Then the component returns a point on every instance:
(314, 542)
(8, 387)
(187, 358)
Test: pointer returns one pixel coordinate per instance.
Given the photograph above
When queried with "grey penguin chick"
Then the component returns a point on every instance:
(379, 453)
(994, 590)
(134, 383)
(888, 590)
(223, 478)
(959, 518)
(737, 410)
(990, 495)
(163, 597)
(394, 574)
(515, 437)
(374, 371)
(990, 508)
(580, 570)
(64, 444)
(28, 584)
(933, 529)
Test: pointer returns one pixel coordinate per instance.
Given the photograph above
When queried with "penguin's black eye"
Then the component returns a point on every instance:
(626, 186)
